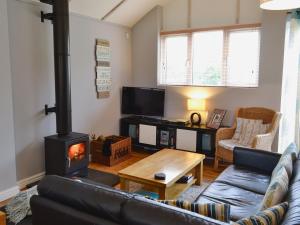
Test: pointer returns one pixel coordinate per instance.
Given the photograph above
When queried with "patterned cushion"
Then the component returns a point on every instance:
(286, 162)
(293, 150)
(277, 189)
(250, 128)
(230, 144)
(219, 212)
(271, 216)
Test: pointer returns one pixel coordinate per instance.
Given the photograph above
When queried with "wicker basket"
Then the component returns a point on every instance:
(120, 150)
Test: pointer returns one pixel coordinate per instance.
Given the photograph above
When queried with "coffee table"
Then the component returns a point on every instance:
(173, 163)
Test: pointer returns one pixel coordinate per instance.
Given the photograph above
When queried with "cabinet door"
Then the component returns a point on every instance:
(186, 140)
(147, 134)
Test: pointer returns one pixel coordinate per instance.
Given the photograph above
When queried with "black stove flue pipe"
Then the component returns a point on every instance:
(61, 34)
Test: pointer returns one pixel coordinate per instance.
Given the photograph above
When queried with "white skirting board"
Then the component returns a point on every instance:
(11, 192)
(22, 183)
(7, 194)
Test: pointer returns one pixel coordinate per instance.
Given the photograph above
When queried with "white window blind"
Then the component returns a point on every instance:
(243, 58)
(175, 60)
(208, 58)
(223, 57)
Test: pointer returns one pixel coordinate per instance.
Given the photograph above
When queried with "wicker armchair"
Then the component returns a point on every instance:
(262, 141)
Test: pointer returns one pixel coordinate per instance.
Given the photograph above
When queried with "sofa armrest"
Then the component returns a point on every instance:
(257, 160)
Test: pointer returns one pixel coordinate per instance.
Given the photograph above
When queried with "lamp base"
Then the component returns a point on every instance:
(195, 119)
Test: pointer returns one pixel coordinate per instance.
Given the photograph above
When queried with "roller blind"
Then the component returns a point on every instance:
(223, 57)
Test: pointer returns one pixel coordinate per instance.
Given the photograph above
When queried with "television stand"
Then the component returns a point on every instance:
(151, 134)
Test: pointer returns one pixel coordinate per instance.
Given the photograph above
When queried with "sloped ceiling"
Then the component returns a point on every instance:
(128, 14)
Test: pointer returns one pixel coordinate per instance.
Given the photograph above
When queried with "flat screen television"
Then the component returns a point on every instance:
(143, 101)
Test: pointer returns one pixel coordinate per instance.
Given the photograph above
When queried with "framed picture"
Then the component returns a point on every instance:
(216, 118)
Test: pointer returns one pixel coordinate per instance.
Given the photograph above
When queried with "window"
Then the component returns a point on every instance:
(224, 57)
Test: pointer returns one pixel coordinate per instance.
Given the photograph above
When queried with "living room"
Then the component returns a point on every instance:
(137, 33)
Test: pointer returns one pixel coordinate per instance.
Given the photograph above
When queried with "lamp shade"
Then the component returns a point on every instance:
(196, 104)
(279, 4)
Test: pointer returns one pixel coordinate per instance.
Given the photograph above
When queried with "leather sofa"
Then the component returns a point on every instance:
(62, 201)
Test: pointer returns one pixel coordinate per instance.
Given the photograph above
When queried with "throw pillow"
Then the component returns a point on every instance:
(277, 189)
(250, 128)
(271, 216)
(219, 212)
(286, 162)
(238, 129)
(293, 150)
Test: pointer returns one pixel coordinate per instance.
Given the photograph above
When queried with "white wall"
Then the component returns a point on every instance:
(209, 13)
(271, 63)
(31, 44)
(7, 149)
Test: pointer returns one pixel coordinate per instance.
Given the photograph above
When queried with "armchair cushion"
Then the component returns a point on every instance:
(230, 144)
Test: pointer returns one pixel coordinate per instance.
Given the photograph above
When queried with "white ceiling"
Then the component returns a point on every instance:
(128, 14)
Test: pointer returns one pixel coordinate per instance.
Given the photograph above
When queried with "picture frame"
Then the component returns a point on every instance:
(216, 118)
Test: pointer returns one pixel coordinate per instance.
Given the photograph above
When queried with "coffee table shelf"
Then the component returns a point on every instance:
(176, 190)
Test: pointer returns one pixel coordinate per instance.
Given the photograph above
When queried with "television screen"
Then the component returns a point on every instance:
(143, 101)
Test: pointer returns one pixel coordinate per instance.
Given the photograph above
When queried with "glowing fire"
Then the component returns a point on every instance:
(76, 152)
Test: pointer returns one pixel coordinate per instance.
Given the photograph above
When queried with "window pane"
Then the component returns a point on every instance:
(243, 58)
(208, 58)
(174, 67)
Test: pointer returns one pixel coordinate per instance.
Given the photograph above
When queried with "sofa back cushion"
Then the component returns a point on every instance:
(293, 214)
(142, 211)
(292, 150)
(96, 200)
(284, 162)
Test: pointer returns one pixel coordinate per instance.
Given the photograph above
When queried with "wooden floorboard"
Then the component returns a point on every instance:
(209, 174)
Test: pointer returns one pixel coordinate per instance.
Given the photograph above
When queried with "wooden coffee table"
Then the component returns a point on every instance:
(173, 163)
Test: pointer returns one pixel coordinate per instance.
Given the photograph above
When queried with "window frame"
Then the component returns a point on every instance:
(190, 33)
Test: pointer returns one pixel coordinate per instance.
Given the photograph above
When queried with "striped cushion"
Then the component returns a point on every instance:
(271, 216)
(250, 128)
(277, 189)
(219, 212)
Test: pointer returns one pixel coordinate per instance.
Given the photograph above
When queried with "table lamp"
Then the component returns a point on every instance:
(196, 105)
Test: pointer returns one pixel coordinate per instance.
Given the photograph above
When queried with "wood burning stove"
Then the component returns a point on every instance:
(66, 153)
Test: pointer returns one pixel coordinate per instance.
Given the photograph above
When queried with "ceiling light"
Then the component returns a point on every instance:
(279, 4)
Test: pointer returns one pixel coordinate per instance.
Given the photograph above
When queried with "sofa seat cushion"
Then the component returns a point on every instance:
(243, 203)
(246, 179)
(229, 144)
